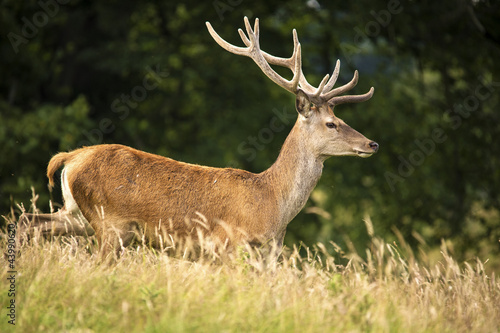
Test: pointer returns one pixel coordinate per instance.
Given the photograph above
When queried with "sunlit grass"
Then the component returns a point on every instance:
(61, 286)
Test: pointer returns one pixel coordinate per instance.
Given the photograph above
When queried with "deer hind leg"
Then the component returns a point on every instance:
(68, 221)
(61, 223)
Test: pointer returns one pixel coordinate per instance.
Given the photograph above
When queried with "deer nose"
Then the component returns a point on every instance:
(373, 145)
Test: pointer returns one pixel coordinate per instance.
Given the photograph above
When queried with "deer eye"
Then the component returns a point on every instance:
(331, 125)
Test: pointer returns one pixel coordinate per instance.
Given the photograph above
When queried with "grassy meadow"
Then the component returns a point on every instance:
(60, 286)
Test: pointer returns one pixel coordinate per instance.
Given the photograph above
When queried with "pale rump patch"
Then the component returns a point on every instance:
(70, 204)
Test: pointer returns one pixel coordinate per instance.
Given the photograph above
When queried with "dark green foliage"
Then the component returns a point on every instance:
(147, 74)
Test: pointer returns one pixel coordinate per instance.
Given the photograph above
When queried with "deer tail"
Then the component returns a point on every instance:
(55, 163)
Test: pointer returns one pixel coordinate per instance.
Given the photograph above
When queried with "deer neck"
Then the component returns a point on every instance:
(294, 174)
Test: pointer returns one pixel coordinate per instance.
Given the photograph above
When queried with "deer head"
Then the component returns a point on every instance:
(326, 134)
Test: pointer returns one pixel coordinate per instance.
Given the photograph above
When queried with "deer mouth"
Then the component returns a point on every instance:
(363, 154)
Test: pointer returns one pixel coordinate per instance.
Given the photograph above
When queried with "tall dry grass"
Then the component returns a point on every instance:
(61, 286)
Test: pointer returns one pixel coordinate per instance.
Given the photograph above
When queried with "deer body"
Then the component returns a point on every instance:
(120, 190)
(252, 207)
(132, 182)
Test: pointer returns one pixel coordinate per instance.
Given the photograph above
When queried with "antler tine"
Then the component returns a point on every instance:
(334, 77)
(252, 35)
(351, 98)
(290, 64)
(225, 45)
(256, 27)
(244, 38)
(317, 93)
(333, 97)
(342, 89)
(261, 58)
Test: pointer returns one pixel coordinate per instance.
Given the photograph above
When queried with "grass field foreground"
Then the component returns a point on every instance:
(60, 286)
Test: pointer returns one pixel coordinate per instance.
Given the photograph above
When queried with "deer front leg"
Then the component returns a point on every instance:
(113, 236)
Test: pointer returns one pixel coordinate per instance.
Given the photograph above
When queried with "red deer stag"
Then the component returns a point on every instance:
(120, 190)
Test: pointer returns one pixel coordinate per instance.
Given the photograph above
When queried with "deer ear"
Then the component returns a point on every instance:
(303, 104)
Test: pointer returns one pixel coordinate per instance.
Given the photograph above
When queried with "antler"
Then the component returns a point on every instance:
(324, 93)
(253, 51)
